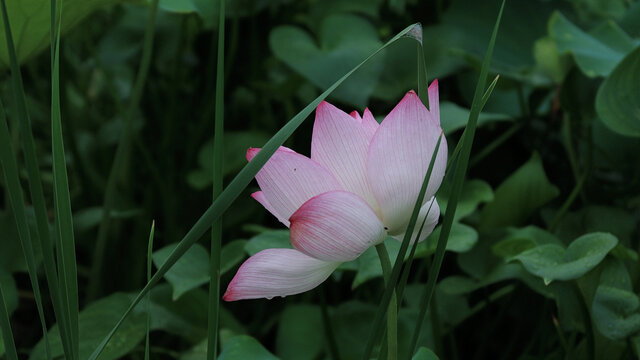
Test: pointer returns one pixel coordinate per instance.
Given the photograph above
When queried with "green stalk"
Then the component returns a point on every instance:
(458, 180)
(392, 312)
(240, 182)
(149, 257)
(122, 151)
(216, 230)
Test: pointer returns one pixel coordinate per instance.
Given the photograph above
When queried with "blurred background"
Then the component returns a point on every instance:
(542, 140)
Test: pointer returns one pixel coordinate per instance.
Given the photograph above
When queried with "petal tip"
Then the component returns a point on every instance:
(251, 153)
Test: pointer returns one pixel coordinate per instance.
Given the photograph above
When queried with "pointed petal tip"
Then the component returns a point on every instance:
(434, 83)
(251, 153)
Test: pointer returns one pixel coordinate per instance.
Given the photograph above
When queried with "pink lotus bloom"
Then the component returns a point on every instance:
(359, 186)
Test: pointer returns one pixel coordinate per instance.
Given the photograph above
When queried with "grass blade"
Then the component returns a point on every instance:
(68, 274)
(149, 257)
(12, 180)
(7, 334)
(242, 180)
(216, 229)
(122, 151)
(459, 174)
(33, 173)
(387, 296)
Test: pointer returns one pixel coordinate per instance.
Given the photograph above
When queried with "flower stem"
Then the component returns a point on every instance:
(392, 311)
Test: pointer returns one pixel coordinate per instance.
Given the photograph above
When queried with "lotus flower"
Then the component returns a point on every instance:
(359, 186)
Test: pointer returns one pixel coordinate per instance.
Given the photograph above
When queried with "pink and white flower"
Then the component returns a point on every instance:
(359, 186)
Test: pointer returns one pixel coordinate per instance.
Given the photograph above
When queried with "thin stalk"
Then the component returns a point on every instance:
(149, 257)
(567, 204)
(122, 151)
(239, 183)
(392, 312)
(458, 180)
(216, 230)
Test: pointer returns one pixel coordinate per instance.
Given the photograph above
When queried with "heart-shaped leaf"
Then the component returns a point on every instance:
(615, 306)
(552, 262)
(269, 239)
(343, 42)
(617, 100)
(189, 272)
(474, 193)
(519, 196)
(596, 53)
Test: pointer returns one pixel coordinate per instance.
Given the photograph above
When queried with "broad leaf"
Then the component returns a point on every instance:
(597, 53)
(191, 271)
(617, 100)
(343, 41)
(268, 240)
(519, 196)
(244, 347)
(552, 262)
(95, 322)
(300, 333)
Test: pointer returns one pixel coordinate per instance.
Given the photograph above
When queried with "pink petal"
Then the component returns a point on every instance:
(259, 196)
(369, 122)
(277, 272)
(434, 100)
(340, 145)
(432, 212)
(354, 114)
(289, 179)
(398, 158)
(335, 226)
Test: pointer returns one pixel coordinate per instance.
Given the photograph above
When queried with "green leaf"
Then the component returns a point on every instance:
(95, 322)
(367, 266)
(460, 285)
(300, 333)
(191, 271)
(271, 239)
(455, 117)
(30, 24)
(617, 100)
(425, 354)
(244, 347)
(232, 253)
(343, 41)
(519, 240)
(474, 193)
(615, 306)
(597, 53)
(236, 144)
(519, 196)
(552, 262)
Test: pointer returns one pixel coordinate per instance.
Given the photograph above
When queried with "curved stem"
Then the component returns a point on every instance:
(392, 311)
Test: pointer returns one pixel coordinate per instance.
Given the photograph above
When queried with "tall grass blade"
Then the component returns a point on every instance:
(7, 334)
(122, 151)
(216, 229)
(33, 174)
(240, 182)
(68, 273)
(459, 174)
(377, 329)
(149, 257)
(12, 181)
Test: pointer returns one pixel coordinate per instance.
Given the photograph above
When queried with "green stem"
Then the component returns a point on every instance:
(216, 230)
(392, 312)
